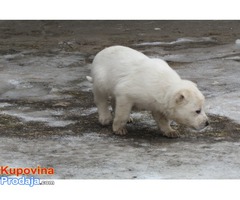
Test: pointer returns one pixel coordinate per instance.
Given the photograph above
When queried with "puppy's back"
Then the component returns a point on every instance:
(113, 63)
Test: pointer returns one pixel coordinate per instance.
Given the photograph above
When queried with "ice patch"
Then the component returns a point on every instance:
(226, 105)
(237, 42)
(236, 58)
(138, 115)
(88, 111)
(40, 116)
(96, 156)
(200, 54)
(14, 56)
(85, 86)
(21, 85)
(60, 123)
(3, 105)
(14, 82)
(178, 41)
(26, 117)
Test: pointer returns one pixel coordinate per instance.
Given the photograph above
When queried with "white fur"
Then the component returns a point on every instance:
(132, 79)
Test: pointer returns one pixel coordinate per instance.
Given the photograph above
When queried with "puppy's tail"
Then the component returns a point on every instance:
(89, 78)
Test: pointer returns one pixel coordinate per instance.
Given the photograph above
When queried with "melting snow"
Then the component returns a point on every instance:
(178, 41)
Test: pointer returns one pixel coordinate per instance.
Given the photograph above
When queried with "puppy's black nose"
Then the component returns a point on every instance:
(207, 123)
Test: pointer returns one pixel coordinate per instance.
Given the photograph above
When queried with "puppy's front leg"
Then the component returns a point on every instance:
(122, 112)
(164, 125)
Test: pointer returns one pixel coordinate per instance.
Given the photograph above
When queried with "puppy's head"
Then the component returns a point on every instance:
(188, 106)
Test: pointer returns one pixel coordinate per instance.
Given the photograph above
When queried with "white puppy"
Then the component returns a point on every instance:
(132, 79)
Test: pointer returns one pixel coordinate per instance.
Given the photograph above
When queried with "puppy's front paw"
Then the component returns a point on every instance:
(121, 131)
(172, 134)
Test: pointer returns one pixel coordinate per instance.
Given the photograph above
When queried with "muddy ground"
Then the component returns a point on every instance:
(48, 118)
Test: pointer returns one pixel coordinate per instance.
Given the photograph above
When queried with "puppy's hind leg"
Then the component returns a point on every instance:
(122, 112)
(113, 104)
(101, 101)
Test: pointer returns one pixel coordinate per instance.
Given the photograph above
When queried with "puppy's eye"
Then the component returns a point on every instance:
(198, 111)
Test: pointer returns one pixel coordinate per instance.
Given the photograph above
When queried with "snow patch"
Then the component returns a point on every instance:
(85, 86)
(14, 82)
(3, 105)
(88, 111)
(237, 41)
(43, 116)
(178, 41)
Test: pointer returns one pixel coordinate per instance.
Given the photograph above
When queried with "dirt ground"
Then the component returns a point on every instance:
(48, 118)
(91, 36)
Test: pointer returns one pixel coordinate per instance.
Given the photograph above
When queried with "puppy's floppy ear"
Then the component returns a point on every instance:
(181, 96)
